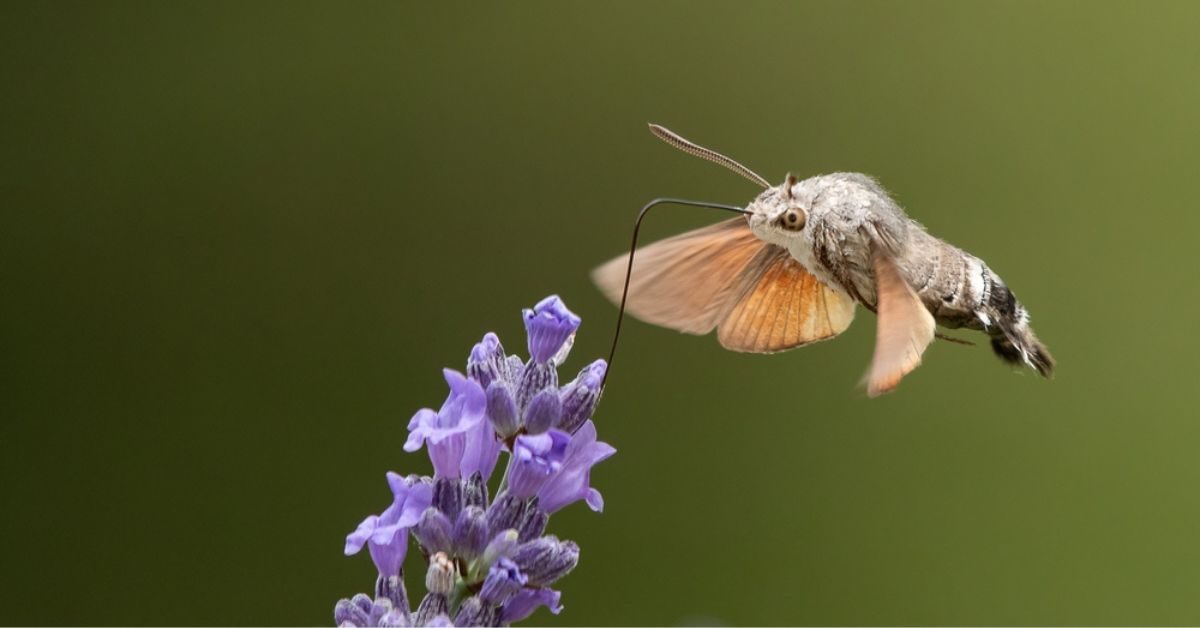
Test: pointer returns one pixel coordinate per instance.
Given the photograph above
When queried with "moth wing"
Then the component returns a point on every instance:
(903, 330)
(783, 306)
(687, 282)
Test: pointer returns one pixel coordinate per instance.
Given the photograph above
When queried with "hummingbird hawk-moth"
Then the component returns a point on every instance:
(790, 271)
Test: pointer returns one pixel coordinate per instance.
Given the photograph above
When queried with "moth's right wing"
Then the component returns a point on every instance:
(687, 283)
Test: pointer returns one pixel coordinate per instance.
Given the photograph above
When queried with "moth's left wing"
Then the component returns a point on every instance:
(783, 306)
(687, 282)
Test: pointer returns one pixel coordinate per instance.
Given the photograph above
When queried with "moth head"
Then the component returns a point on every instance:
(778, 215)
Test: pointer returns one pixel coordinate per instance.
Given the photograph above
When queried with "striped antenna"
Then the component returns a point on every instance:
(690, 148)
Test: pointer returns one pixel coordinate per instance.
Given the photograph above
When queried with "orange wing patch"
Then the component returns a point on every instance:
(783, 306)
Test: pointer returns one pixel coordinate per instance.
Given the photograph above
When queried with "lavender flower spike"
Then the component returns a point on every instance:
(572, 482)
(489, 561)
(551, 328)
(445, 431)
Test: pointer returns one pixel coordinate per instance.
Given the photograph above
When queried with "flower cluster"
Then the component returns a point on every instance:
(490, 561)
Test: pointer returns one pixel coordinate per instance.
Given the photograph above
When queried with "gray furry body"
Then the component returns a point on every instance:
(848, 218)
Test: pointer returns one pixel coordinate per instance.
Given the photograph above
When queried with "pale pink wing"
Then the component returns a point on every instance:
(688, 282)
(903, 330)
(783, 306)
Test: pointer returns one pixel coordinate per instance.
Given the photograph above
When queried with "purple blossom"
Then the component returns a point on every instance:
(536, 458)
(571, 483)
(446, 431)
(551, 328)
(386, 535)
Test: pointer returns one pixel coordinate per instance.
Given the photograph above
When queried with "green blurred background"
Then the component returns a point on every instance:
(240, 240)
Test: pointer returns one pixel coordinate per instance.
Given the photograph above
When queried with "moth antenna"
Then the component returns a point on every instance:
(690, 148)
(633, 249)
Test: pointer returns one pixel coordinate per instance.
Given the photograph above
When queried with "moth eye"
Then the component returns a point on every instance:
(793, 220)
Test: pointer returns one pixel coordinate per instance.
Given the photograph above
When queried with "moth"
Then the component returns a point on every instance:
(793, 268)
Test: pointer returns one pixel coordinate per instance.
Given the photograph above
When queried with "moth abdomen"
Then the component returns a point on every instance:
(1007, 322)
(960, 290)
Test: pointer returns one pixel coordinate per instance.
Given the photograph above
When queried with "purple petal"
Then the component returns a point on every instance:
(356, 539)
(388, 546)
(594, 500)
(481, 451)
(411, 495)
(447, 453)
(526, 601)
(418, 426)
(468, 390)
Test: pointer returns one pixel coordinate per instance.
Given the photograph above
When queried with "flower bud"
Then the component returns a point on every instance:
(474, 612)
(508, 511)
(487, 362)
(536, 377)
(502, 410)
(470, 533)
(544, 411)
(392, 588)
(546, 559)
(434, 531)
(346, 612)
(535, 522)
(441, 575)
(475, 491)
(447, 496)
(380, 608)
(579, 398)
(434, 605)
(395, 618)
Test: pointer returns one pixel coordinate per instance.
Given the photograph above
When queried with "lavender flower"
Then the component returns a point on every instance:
(551, 328)
(536, 458)
(446, 431)
(488, 561)
(386, 535)
(572, 482)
